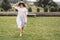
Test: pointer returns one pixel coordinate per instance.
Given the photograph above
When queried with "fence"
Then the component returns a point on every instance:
(31, 13)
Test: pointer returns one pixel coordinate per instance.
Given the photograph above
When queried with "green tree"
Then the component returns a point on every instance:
(48, 3)
(38, 10)
(6, 5)
(43, 3)
(53, 6)
(30, 9)
(52, 3)
(21, 0)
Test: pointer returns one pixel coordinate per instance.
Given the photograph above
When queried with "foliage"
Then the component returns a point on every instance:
(46, 9)
(38, 10)
(5, 5)
(21, 0)
(48, 3)
(53, 9)
(42, 3)
(30, 9)
(59, 9)
(52, 4)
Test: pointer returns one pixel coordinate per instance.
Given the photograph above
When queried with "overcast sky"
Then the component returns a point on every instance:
(53, 0)
(56, 0)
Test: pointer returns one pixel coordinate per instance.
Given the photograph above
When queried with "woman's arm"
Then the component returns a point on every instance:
(15, 5)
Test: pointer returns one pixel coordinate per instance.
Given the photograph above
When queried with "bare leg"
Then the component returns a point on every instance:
(22, 28)
(20, 31)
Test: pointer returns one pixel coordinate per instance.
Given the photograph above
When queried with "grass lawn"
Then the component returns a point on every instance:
(38, 28)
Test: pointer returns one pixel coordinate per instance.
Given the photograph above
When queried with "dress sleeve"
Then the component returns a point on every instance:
(17, 8)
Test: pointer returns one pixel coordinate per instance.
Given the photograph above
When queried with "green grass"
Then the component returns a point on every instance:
(38, 28)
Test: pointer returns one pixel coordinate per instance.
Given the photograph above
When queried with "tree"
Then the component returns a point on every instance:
(21, 0)
(46, 9)
(43, 3)
(48, 3)
(38, 10)
(30, 9)
(53, 6)
(5, 5)
(52, 3)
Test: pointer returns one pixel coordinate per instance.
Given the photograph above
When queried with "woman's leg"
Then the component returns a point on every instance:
(20, 31)
(22, 28)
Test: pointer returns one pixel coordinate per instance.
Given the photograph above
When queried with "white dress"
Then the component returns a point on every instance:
(21, 17)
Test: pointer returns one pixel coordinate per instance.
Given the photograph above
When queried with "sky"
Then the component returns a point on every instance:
(31, 0)
(56, 0)
(53, 0)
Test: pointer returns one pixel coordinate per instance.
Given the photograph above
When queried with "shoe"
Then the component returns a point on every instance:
(20, 35)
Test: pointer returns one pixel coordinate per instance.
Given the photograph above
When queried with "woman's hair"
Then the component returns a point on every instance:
(22, 4)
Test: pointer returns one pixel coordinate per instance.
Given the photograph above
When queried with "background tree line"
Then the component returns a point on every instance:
(46, 4)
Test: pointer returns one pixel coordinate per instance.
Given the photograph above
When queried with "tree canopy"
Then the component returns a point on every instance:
(43, 3)
(5, 5)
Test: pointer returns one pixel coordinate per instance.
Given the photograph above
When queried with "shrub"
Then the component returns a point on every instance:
(30, 9)
(45, 9)
(38, 10)
(59, 9)
(6, 5)
(1, 10)
(52, 9)
(16, 10)
(56, 9)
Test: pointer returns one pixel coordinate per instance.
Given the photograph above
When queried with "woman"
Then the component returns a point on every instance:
(21, 17)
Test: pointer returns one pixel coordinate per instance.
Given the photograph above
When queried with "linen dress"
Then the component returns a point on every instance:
(21, 17)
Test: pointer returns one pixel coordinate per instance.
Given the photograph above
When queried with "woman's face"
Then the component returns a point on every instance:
(21, 6)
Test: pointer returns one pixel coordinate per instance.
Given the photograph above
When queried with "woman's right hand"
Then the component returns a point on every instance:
(14, 5)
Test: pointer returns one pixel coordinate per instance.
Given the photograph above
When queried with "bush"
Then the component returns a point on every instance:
(11, 10)
(56, 9)
(38, 10)
(45, 9)
(1, 10)
(59, 9)
(53, 9)
(30, 9)
(16, 10)
(6, 5)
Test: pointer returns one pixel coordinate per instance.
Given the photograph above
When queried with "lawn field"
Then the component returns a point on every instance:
(38, 28)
